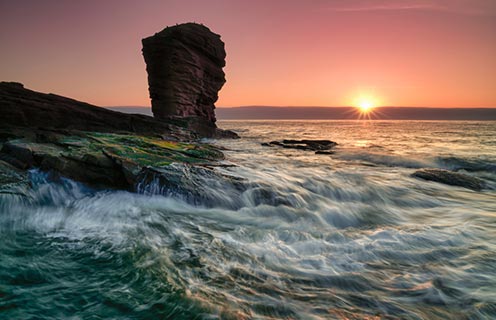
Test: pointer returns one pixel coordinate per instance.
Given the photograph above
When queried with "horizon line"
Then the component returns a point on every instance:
(279, 106)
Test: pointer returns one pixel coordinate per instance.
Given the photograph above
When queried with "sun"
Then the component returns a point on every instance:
(365, 106)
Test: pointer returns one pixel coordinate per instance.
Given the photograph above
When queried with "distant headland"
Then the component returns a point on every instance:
(340, 113)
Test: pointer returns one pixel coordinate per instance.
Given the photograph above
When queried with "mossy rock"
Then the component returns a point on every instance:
(143, 151)
(103, 159)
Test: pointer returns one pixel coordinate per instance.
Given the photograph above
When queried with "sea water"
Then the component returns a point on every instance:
(350, 235)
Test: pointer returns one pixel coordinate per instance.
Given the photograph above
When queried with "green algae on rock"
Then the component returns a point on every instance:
(103, 159)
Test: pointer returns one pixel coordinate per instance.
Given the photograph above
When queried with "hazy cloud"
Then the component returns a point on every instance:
(468, 7)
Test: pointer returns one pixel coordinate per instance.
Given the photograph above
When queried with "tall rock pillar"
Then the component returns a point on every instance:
(184, 65)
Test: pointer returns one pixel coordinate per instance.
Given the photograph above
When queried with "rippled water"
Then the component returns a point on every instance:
(345, 236)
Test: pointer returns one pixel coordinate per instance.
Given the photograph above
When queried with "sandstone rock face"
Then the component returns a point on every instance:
(184, 65)
(21, 107)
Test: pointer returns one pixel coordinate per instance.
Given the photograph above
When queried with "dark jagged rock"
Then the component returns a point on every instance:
(450, 178)
(319, 146)
(324, 152)
(184, 65)
(22, 107)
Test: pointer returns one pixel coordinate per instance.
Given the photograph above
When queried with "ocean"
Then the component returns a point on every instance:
(350, 235)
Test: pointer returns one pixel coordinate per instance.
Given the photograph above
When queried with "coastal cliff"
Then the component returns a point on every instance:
(22, 107)
(93, 145)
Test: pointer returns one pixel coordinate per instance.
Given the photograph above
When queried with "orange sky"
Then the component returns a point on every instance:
(439, 53)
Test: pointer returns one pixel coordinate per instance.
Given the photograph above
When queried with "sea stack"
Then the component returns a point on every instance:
(184, 65)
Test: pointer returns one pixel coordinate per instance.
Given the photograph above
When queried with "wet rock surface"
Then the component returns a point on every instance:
(103, 160)
(12, 180)
(184, 65)
(193, 183)
(319, 146)
(450, 178)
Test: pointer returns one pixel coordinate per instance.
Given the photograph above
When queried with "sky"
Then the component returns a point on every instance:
(437, 53)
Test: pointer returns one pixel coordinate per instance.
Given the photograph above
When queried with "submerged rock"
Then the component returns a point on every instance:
(195, 184)
(319, 146)
(450, 178)
(12, 180)
(184, 65)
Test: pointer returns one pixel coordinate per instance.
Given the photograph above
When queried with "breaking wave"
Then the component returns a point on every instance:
(283, 234)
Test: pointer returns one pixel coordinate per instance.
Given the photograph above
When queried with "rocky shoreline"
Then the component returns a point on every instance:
(108, 149)
(101, 148)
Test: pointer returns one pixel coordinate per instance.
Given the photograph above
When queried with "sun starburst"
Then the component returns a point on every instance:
(365, 106)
